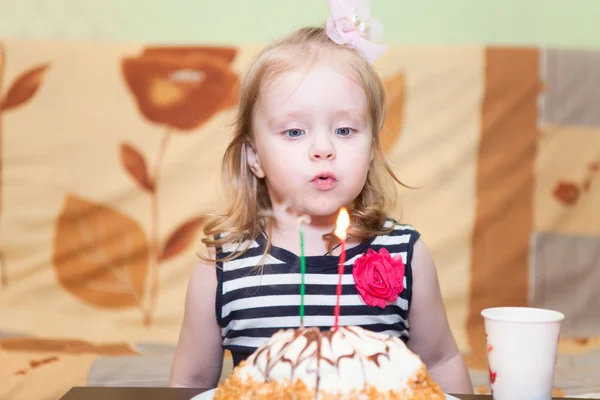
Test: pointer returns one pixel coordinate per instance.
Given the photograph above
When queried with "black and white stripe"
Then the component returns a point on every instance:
(252, 304)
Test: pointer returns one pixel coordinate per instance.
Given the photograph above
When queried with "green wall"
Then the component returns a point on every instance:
(572, 23)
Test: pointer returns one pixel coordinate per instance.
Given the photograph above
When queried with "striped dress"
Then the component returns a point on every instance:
(251, 305)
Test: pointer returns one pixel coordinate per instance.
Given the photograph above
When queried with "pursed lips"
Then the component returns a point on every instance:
(324, 181)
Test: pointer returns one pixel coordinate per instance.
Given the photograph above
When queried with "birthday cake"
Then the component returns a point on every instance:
(347, 363)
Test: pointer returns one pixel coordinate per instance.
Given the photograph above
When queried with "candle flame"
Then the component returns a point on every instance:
(342, 224)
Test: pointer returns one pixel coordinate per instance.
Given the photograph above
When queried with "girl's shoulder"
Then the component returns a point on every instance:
(400, 228)
(400, 240)
(398, 236)
(232, 243)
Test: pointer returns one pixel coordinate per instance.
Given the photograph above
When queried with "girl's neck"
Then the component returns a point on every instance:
(286, 232)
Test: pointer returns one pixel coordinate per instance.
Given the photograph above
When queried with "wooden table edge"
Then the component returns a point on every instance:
(169, 393)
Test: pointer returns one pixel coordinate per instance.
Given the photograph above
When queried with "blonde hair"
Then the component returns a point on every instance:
(245, 219)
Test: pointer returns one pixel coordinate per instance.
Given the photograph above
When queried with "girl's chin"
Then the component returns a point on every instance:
(323, 212)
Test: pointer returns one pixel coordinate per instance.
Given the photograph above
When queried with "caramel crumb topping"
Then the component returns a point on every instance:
(236, 388)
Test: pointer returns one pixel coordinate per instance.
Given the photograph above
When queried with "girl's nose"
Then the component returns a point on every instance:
(322, 149)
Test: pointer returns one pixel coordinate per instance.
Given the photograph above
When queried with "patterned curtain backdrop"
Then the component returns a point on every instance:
(110, 154)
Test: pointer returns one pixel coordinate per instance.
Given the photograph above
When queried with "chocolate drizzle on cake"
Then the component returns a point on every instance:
(268, 357)
(374, 358)
(318, 383)
(309, 364)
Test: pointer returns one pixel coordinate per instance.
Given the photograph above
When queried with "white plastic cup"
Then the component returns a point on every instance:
(522, 343)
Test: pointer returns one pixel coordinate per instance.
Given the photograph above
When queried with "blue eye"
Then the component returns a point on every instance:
(294, 133)
(344, 131)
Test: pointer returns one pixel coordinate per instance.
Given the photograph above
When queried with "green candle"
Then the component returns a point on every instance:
(302, 273)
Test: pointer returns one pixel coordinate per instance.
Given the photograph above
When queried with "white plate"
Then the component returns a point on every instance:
(209, 395)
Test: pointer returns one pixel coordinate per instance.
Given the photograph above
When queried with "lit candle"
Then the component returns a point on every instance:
(341, 228)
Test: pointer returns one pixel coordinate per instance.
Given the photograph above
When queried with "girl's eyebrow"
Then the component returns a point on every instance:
(350, 113)
(285, 116)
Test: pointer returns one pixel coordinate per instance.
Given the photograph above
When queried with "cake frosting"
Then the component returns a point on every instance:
(347, 363)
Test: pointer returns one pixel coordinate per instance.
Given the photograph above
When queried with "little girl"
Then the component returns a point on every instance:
(307, 143)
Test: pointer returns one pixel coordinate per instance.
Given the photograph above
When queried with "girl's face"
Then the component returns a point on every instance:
(312, 140)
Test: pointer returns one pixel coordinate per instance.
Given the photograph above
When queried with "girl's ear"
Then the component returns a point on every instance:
(254, 161)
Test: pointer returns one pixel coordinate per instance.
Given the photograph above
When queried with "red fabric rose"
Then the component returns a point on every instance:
(378, 277)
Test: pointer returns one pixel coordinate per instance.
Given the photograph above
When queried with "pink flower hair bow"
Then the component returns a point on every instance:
(351, 24)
